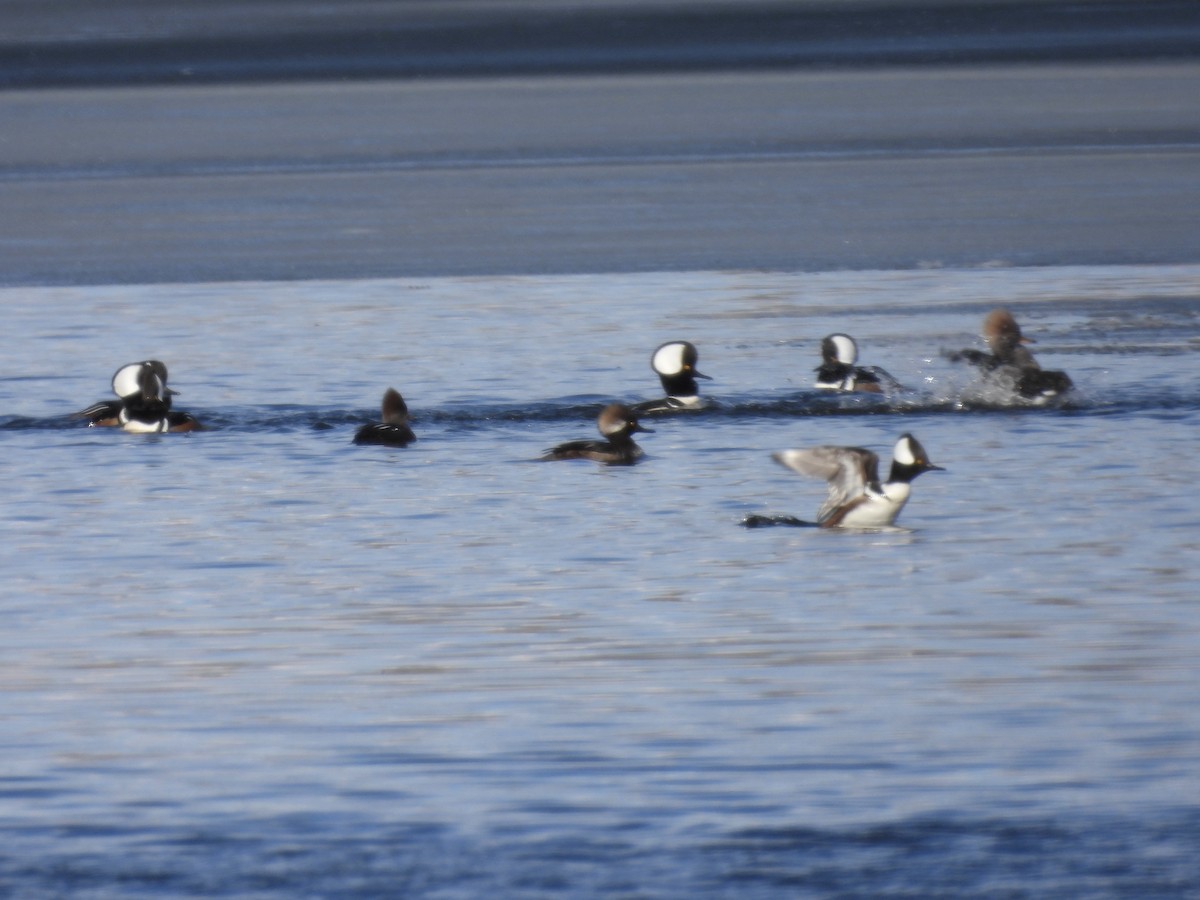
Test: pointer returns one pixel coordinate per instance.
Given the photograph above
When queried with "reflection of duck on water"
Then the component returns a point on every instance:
(1010, 362)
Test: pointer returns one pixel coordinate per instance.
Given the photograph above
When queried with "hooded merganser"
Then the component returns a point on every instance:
(148, 409)
(857, 498)
(104, 413)
(1010, 363)
(616, 423)
(837, 371)
(393, 431)
(675, 365)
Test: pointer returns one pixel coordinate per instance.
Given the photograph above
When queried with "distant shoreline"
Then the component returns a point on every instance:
(135, 43)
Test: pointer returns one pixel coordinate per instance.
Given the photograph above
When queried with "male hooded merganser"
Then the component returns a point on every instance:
(1010, 363)
(148, 409)
(393, 431)
(125, 386)
(617, 423)
(837, 371)
(675, 364)
(857, 498)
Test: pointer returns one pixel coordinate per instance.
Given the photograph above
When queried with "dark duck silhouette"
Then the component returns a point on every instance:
(394, 430)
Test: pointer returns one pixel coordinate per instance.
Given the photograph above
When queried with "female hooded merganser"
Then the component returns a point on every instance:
(393, 431)
(148, 409)
(125, 386)
(616, 423)
(1010, 363)
(837, 371)
(857, 498)
(675, 365)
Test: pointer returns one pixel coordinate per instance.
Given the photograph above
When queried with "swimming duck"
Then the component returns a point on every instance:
(675, 364)
(394, 430)
(1010, 363)
(617, 424)
(857, 498)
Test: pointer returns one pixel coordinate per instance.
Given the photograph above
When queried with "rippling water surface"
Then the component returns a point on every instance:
(259, 661)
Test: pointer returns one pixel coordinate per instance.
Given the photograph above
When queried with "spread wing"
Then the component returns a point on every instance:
(974, 357)
(848, 470)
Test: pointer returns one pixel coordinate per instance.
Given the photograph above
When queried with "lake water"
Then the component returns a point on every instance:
(259, 661)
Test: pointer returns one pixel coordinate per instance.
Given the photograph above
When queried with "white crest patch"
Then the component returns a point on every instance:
(847, 350)
(125, 382)
(668, 359)
(903, 452)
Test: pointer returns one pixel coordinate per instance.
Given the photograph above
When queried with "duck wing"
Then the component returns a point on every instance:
(576, 449)
(847, 470)
(883, 375)
(978, 358)
(102, 412)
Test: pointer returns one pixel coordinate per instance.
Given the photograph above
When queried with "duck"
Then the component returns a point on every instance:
(857, 498)
(675, 364)
(394, 430)
(617, 424)
(107, 413)
(1010, 364)
(838, 371)
(148, 409)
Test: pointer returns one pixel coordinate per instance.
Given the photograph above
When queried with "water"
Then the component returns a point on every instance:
(258, 661)
(73, 42)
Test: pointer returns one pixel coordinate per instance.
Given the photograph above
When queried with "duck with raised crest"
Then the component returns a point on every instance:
(675, 364)
(107, 413)
(838, 371)
(147, 410)
(857, 498)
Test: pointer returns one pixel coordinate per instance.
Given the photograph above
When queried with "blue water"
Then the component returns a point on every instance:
(258, 661)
